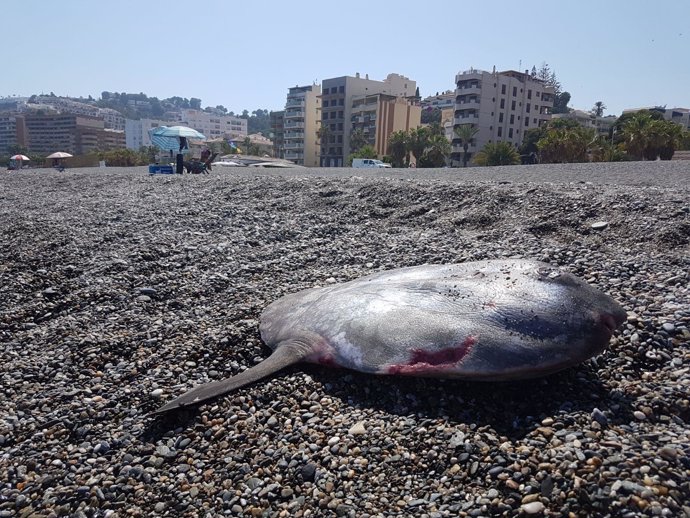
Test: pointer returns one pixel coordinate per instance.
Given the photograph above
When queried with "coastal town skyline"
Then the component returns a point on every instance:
(244, 59)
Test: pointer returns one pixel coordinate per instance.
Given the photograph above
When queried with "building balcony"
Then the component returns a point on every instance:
(293, 124)
(293, 135)
(293, 145)
(292, 103)
(466, 119)
(467, 103)
(294, 155)
(294, 114)
(469, 90)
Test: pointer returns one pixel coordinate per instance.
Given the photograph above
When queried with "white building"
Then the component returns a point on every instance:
(137, 132)
(300, 124)
(502, 105)
(213, 125)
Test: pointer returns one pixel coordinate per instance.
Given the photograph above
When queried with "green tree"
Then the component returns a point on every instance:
(358, 139)
(398, 148)
(431, 115)
(465, 133)
(635, 134)
(566, 145)
(603, 150)
(417, 142)
(598, 109)
(497, 153)
(436, 153)
(560, 102)
(364, 152)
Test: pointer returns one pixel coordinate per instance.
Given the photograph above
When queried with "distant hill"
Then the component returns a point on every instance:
(141, 106)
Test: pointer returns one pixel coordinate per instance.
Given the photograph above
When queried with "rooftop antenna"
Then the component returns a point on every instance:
(520, 65)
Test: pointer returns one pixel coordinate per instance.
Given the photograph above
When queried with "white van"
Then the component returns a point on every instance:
(368, 162)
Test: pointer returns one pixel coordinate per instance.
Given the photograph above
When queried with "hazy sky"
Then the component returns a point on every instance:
(245, 55)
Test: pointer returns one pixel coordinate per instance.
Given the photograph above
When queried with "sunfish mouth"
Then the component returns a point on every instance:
(610, 322)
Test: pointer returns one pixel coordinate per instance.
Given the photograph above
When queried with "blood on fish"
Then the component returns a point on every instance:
(422, 361)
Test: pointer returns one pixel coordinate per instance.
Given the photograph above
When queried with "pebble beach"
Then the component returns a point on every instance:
(120, 291)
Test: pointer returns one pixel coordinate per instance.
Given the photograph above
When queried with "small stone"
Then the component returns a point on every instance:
(157, 393)
(599, 417)
(309, 472)
(357, 429)
(144, 298)
(600, 225)
(640, 416)
(532, 508)
(668, 327)
(333, 440)
(668, 453)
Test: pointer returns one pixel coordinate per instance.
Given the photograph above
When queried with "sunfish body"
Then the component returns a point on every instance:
(489, 320)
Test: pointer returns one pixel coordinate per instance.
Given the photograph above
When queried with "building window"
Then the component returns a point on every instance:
(527, 108)
(333, 114)
(515, 91)
(500, 131)
(341, 102)
(341, 89)
(325, 104)
(534, 121)
(340, 126)
(333, 127)
(340, 114)
(510, 132)
(537, 94)
(503, 89)
(340, 139)
(512, 105)
(512, 118)
(526, 121)
(500, 117)
(529, 94)
(503, 103)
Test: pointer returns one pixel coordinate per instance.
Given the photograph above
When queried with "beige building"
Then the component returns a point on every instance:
(336, 109)
(75, 134)
(213, 125)
(300, 125)
(502, 105)
(379, 115)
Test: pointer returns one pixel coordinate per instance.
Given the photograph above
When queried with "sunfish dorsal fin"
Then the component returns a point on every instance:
(284, 355)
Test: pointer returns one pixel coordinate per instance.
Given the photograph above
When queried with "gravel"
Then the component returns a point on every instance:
(119, 291)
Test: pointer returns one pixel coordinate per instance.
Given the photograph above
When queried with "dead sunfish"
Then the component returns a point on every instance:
(488, 320)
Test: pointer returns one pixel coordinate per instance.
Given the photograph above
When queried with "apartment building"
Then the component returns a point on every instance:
(442, 101)
(300, 125)
(336, 109)
(277, 121)
(379, 115)
(11, 131)
(213, 125)
(502, 105)
(76, 134)
(137, 131)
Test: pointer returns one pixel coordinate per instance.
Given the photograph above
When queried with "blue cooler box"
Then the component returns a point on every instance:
(161, 169)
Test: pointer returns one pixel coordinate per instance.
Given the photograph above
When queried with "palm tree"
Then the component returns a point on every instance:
(436, 152)
(466, 133)
(358, 139)
(397, 148)
(418, 142)
(598, 110)
(636, 133)
(497, 153)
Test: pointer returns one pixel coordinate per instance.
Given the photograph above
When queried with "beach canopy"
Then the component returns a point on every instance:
(59, 154)
(19, 157)
(167, 138)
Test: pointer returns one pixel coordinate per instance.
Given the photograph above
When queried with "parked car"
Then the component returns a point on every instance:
(368, 162)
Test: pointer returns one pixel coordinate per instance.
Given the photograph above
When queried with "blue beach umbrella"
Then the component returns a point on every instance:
(173, 138)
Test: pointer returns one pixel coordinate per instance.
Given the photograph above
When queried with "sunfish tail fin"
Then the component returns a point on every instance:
(283, 356)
